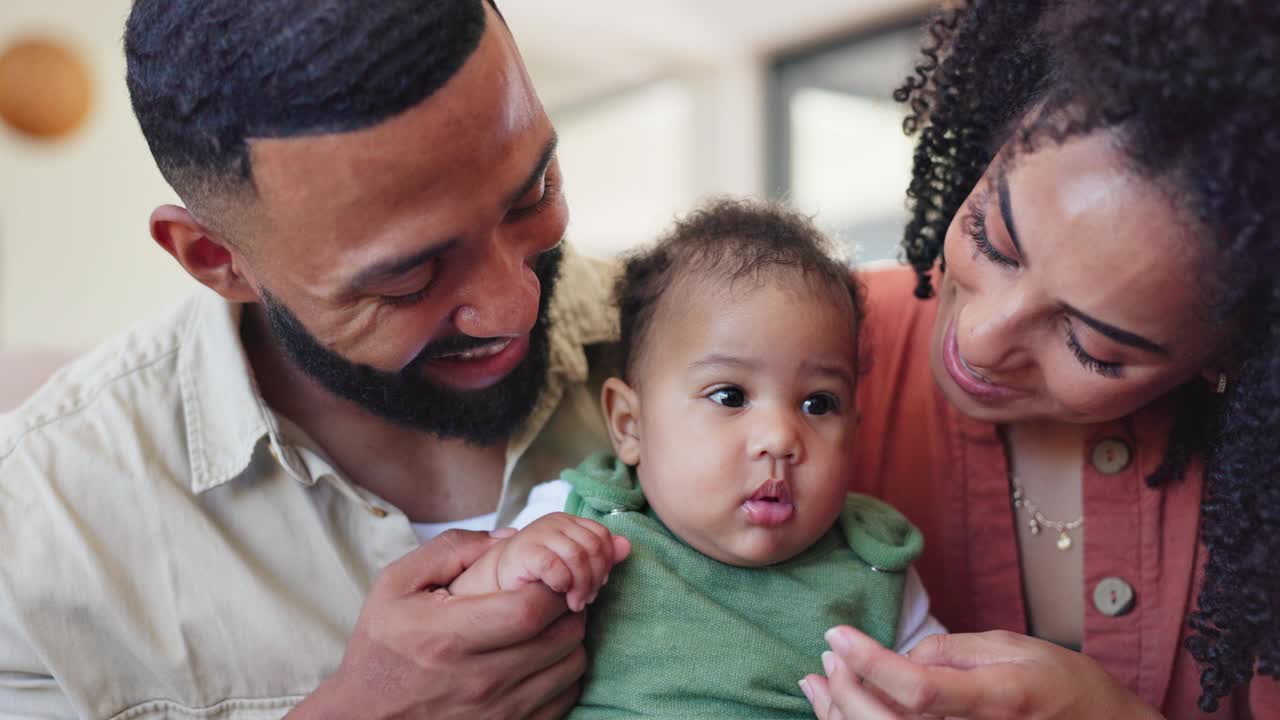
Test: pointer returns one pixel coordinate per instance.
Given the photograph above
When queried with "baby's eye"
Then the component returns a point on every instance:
(729, 397)
(819, 404)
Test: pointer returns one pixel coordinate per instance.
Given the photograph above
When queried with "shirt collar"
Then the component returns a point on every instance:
(226, 418)
(228, 421)
(582, 313)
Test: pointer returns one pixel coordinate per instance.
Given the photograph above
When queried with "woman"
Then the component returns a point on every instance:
(1084, 418)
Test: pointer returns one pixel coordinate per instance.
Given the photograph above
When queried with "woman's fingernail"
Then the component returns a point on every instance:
(804, 688)
(829, 662)
(838, 639)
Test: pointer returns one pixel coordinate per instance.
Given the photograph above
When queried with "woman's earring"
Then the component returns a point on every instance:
(1222, 384)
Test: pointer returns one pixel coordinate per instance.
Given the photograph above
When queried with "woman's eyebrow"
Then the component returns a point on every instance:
(1006, 212)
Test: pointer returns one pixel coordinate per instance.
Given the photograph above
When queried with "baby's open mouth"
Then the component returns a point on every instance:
(770, 504)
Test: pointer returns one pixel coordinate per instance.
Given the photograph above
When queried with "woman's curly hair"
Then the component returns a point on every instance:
(1192, 90)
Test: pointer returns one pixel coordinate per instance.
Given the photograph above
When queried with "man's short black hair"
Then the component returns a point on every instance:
(205, 76)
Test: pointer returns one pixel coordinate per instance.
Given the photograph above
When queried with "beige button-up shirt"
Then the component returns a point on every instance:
(172, 548)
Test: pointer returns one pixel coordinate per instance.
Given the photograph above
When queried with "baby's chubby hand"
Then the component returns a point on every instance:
(568, 554)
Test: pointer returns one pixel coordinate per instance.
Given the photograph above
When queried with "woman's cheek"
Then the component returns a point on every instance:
(959, 263)
(1087, 399)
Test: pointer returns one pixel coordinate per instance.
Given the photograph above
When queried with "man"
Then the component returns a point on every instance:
(218, 514)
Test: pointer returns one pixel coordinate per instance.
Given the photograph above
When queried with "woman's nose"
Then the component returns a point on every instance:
(990, 331)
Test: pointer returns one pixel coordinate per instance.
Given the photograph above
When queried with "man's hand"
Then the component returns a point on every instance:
(419, 652)
(983, 676)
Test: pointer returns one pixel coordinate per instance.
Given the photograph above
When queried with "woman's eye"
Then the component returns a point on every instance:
(976, 228)
(819, 404)
(1101, 367)
(729, 397)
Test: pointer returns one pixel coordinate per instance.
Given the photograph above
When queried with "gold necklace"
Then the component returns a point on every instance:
(1037, 520)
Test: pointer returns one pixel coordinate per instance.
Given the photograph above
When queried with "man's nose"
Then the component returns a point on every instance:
(501, 297)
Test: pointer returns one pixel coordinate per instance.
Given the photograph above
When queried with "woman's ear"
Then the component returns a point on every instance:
(207, 258)
(622, 415)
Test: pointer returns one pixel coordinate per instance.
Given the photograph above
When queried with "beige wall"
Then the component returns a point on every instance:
(76, 262)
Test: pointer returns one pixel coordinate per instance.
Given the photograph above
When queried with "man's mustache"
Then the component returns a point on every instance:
(451, 345)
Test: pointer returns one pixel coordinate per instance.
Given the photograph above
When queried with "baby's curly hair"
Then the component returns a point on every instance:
(1192, 90)
(731, 241)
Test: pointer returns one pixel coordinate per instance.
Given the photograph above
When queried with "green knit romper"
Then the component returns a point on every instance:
(676, 634)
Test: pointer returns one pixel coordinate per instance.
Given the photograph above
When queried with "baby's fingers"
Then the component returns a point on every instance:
(544, 564)
(621, 549)
(597, 542)
(586, 550)
(582, 562)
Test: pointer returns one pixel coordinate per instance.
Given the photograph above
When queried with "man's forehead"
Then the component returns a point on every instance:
(491, 90)
(490, 103)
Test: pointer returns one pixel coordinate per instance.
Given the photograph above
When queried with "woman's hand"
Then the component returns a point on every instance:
(983, 676)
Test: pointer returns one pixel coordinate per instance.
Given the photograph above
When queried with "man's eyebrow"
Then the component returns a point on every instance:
(1006, 212)
(548, 154)
(392, 268)
(1124, 337)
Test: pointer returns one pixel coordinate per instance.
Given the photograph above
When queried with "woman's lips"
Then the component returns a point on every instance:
(770, 505)
(968, 379)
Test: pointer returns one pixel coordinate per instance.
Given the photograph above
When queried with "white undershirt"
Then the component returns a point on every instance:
(914, 625)
(482, 523)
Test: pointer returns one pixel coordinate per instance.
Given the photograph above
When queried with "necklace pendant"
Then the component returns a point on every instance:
(1064, 541)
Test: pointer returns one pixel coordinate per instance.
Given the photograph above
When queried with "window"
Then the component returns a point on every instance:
(837, 147)
(628, 165)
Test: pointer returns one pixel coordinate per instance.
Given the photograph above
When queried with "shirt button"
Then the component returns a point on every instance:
(1113, 597)
(1111, 456)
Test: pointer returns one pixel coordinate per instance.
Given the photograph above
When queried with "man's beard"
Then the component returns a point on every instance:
(481, 417)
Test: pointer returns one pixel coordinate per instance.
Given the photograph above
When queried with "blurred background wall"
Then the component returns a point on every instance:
(658, 104)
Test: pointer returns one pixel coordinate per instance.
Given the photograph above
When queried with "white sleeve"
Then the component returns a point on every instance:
(544, 499)
(915, 623)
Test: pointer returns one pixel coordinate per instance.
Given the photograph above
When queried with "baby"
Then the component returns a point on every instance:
(731, 431)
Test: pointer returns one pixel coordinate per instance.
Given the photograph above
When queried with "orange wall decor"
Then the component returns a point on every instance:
(45, 89)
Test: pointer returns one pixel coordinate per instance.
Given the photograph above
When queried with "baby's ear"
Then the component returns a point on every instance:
(622, 416)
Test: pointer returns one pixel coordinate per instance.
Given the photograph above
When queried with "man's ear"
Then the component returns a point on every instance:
(622, 415)
(204, 256)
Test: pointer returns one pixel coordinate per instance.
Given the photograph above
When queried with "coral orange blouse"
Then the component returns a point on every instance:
(949, 474)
